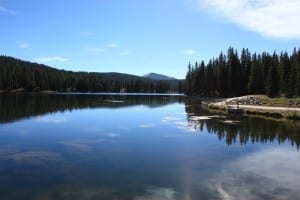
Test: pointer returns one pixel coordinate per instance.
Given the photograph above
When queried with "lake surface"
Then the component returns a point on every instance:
(140, 147)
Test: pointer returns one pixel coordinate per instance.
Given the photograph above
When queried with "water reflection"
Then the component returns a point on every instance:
(244, 130)
(121, 150)
(268, 174)
(18, 106)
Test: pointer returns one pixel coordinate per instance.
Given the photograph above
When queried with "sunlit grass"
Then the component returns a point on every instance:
(279, 101)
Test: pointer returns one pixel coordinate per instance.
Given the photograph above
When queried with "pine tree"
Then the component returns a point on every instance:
(246, 69)
(188, 85)
(256, 79)
(297, 63)
(272, 82)
(222, 76)
(209, 80)
(202, 78)
(284, 72)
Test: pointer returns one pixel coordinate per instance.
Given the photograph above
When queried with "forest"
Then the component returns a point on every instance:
(231, 75)
(33, 77)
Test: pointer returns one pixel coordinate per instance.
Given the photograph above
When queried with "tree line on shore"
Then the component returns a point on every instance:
(32, 77)
(232, 75)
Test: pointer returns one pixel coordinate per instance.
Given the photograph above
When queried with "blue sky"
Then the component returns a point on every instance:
(142, 36)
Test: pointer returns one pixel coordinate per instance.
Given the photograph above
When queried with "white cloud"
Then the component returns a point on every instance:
(189, 52)
(8, 11)
(274, 18)
(113, 45)
(24, 45)
(50, 59)
(124, 53)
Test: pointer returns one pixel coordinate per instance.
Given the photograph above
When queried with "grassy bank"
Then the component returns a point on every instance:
(280, 102)
(261, 105)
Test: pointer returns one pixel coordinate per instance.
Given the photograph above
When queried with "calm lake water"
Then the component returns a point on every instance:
(140, 147)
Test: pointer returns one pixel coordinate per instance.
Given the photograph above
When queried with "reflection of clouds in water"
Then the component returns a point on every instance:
(86, 145)
(101, 132)
(50, 119)
(74, 193)
(178, 122)
(269, 174)
(105, 193)
(158, 194)
(112, 135)
(185, 126)
(36, 156)
(146, 125)
(8, 150)
(18, 158)
(170, 119)
(32, 158)
(13, 153)
(83, 145)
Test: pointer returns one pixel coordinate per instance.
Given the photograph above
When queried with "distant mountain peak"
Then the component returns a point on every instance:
(156, 76)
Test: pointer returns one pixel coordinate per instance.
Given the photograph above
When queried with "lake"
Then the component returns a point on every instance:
(141, 147)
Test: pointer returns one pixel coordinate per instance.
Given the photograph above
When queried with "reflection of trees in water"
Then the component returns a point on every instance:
(249, 130)
(17, 106)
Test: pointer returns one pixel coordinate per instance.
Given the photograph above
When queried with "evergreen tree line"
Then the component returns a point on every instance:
(15, 73)
(233, 75)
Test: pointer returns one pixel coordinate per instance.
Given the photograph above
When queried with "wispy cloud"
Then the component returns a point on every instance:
(113, 45)
(124, 53)
(274, 18)
(8, 11)
(50, 59)
(24, 45)
(189, 52)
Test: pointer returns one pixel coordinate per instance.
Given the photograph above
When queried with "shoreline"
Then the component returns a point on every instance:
(256, 105)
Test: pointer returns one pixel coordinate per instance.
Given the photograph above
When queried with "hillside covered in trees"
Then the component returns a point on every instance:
(32, 77)
(233, 75)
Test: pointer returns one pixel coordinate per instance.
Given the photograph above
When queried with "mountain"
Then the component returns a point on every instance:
(156, 76)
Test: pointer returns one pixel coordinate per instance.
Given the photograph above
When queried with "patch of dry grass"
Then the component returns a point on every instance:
(280, 101)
